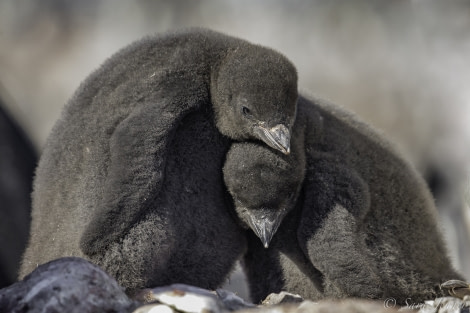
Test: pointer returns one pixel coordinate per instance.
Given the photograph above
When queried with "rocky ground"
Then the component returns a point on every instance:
(75, 285)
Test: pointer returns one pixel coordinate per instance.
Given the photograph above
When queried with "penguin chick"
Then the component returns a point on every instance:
(265, 186)
(131, 175)
(364, 224)
(264, 183)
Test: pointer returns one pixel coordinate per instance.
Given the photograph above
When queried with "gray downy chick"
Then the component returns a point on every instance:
(264, 183)
(364, 224)
(131, 174)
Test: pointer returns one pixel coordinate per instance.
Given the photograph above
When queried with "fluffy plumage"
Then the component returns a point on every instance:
(363, 225)
(264, 183)
(130, 176)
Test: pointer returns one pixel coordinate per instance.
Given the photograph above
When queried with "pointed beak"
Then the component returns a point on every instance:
(277, 137)
(265, 223)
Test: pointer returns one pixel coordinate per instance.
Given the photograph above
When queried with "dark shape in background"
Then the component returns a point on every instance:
(17, 162)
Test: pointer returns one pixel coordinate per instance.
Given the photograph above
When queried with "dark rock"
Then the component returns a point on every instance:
(75, 285)
(66, 285)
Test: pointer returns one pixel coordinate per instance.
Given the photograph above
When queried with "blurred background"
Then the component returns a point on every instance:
(402, 65)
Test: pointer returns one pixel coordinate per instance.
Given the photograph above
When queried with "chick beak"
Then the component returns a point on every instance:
(277, 137)
(265, 222)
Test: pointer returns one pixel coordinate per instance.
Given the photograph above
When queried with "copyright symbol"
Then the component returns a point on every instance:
(390, 303)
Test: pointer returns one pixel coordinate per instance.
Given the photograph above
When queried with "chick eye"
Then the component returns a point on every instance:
(246, 111)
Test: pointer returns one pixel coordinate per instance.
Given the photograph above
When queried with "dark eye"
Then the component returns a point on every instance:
(246, 111)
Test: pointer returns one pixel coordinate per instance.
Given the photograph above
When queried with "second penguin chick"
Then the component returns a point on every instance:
(266, 186)
(264, 183)
(363, 225)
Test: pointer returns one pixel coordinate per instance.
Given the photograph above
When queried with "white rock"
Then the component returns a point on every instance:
(187, 299)
(154, 308)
